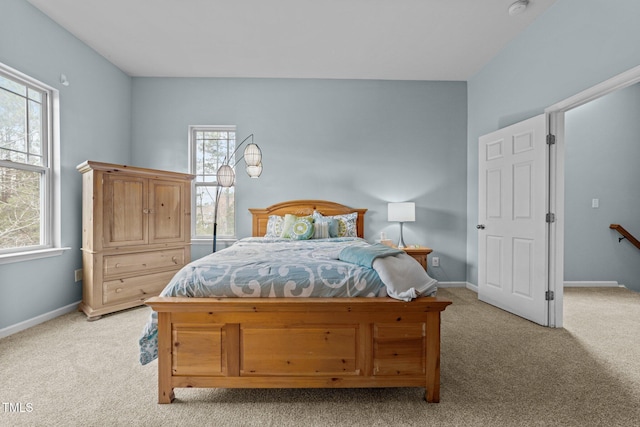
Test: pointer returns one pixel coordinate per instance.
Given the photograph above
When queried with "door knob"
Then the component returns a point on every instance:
(480, 226)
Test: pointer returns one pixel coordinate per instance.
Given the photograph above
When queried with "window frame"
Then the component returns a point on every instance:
(193, 130)
(50, 234)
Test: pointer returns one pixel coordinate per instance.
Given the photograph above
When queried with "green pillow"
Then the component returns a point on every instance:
(289, 221)
(302, 229)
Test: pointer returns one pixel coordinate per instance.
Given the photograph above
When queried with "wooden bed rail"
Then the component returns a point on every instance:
(625, 235)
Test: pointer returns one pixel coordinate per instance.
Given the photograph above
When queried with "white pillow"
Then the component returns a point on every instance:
(274, 226)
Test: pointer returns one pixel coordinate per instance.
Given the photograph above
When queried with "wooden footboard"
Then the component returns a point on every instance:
(298, 343)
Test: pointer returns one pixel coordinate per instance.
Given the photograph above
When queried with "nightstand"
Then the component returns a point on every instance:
(420, 254)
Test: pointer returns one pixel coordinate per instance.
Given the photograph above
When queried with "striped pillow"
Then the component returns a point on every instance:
(321, 230)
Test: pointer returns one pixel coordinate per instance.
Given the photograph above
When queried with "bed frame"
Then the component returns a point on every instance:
(298, 342)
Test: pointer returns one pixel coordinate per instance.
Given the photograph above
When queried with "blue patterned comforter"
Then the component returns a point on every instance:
(270, 267)
(273, 267)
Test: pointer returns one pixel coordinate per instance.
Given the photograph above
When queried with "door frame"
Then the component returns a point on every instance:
(556, 126)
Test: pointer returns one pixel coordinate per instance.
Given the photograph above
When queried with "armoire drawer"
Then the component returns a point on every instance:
(143, 262)
(135, 288)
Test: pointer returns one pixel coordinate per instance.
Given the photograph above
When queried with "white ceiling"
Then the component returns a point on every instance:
(349, 39)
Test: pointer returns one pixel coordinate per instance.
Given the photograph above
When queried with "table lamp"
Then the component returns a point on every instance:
(401, 212)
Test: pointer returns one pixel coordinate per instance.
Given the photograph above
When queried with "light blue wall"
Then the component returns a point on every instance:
(574, 45)
(360, 143)
(602, 150)
(95, 114)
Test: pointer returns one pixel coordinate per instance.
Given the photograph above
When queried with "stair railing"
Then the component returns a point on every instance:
(625, 235)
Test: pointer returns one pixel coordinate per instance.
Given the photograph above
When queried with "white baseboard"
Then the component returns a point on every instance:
(452, 284)
(472, 287)
(467, 285)
(568, 284)
(10, 330)
(585, 284)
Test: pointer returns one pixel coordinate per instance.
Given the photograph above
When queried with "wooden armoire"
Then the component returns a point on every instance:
(136, 234)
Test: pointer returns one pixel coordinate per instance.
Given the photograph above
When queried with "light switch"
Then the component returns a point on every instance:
(595, 203)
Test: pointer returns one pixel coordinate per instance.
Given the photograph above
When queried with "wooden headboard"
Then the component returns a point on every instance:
(303, 207)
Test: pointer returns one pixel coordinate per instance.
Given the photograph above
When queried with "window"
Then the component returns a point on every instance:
(210, 147)
(25, 164)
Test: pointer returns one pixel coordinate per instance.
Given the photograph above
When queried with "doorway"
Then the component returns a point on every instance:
(601, 178)
(557, 181)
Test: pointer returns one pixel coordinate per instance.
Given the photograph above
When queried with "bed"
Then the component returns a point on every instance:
(297, 338)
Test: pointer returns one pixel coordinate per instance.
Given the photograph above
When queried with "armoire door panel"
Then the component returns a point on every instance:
(166, 212)
(125, 200)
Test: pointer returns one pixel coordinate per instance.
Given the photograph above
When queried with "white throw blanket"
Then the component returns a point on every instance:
(404, 278)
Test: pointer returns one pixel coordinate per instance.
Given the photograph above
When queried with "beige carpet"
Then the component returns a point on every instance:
(497, 370)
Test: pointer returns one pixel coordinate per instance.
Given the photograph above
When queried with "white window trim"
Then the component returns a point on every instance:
(31, 255)
(51, 223)
(192, 163)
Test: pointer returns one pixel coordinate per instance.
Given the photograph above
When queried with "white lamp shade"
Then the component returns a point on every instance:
(254, 171)
(252, 155)
(402, 212)
(225, 176)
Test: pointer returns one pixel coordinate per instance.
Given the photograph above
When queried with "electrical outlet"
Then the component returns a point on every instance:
(435, 261)
(78, 275)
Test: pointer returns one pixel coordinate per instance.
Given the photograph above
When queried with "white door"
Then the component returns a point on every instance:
(512, 227)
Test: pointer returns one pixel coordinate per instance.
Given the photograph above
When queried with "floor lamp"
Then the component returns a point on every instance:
(225, 176)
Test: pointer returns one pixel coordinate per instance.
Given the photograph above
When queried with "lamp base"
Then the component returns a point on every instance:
(401, 244)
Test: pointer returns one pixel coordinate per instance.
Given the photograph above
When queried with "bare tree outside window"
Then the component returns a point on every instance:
(19, 208)
(23, 164)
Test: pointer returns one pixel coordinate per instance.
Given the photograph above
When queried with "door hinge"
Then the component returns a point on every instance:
(549, 295)
(551, 139)
(551, 217)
